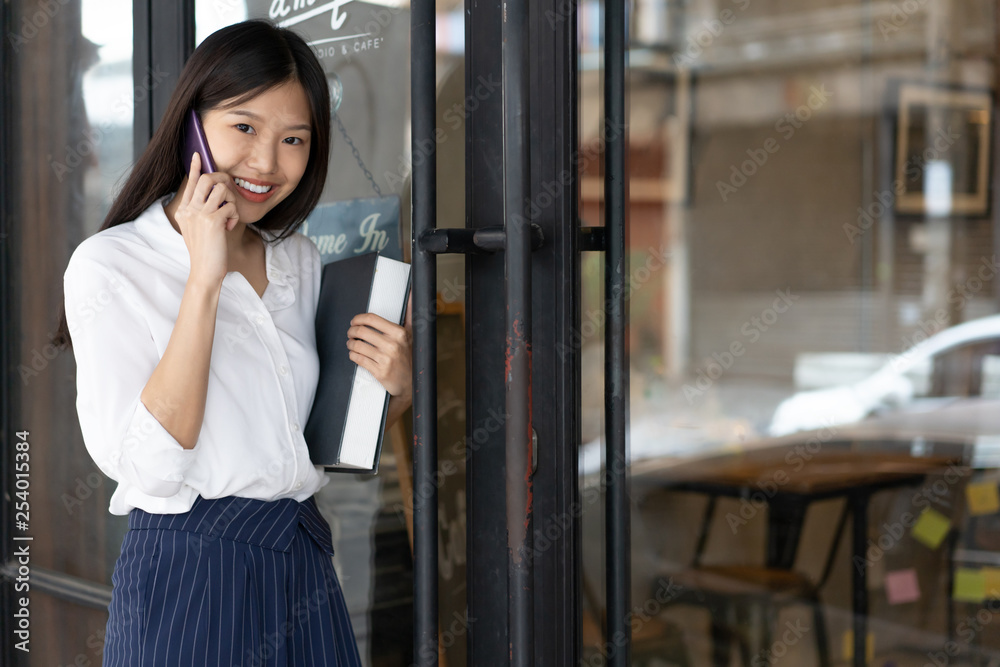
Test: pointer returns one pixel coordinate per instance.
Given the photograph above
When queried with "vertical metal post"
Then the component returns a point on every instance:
(994, 192)
(517, 359)
(424, 285)
(859, 578)
(615, 356)
(163, 39)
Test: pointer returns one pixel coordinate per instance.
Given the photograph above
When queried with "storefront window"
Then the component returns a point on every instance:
(814, 319)
(72, 104)
(814, 330)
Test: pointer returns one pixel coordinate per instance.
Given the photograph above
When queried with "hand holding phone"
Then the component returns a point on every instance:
(195, 142)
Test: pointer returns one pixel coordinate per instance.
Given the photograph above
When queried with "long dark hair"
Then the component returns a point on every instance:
(232, 65)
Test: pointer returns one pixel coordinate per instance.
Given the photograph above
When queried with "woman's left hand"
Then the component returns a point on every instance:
(385, 350)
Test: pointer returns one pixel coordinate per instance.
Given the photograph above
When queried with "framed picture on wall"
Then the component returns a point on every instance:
(942, 150)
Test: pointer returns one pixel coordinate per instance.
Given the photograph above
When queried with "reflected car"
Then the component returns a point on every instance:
(959, 362)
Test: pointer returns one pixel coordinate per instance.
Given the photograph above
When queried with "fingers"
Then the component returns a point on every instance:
(369, 352)
(372, 320)
(392, 339)
(379, 347)
(232, 217)
(194, 170)
(215, 198)
(211, 191)
(394, 375)
(377, 370)
(383, 349)
(379, 324)
(208, 195)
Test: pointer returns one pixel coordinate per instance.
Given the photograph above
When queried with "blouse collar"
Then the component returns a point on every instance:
(155, 227)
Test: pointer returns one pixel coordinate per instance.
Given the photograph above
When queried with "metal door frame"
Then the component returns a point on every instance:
(523, 602)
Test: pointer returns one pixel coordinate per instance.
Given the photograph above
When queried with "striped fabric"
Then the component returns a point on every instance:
(232, 582)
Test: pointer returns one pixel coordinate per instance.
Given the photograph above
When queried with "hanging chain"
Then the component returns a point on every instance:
(357, 155)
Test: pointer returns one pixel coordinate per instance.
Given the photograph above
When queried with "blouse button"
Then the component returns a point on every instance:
(259, 319)
(283, 370)
(295, 427)
(298, 485)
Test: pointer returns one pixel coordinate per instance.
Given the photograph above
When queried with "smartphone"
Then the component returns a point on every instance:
(195, 142)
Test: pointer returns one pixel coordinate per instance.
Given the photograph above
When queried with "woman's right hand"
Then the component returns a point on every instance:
(205, 213)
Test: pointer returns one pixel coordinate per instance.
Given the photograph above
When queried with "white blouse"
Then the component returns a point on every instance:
(123, 290)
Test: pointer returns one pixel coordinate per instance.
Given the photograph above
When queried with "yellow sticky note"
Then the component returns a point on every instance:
(847, 646)
(991, 582)
(982, 498)
(931, 528)
(970, 585)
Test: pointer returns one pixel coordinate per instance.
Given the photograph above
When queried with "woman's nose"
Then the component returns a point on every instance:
(264, 158)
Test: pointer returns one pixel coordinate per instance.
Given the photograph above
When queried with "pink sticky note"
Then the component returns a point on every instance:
(901, 586)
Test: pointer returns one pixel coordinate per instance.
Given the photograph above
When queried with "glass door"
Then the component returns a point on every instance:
(813, 312)
(365, 206)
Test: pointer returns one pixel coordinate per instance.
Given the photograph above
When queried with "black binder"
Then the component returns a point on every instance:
(349, 287)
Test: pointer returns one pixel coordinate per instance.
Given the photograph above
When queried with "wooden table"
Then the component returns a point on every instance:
(790, 477)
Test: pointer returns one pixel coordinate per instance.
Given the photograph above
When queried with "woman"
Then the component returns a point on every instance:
(192, 318)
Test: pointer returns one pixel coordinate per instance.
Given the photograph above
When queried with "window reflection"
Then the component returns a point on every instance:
(71, 95)
(109, 95)
(813, 326)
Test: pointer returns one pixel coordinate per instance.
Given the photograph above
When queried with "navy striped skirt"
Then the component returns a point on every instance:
(234, 582)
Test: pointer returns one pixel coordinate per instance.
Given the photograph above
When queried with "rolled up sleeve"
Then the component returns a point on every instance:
(115, 357)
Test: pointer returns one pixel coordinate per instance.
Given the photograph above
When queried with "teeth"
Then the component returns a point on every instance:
(259, 189)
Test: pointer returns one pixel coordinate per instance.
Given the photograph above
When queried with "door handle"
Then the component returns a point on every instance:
(517, 238)
(616, 379)
(424, 285)
(517, 353)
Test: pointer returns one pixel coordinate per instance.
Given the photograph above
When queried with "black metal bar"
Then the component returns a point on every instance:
(742, 491)
(831, 557)
(951, 542)
(517, 376)
(465, 240)
(995, 164)
(615, 356)
(163, 39)
(706, 525)
(784, 526)
(425, 501)
(142, 121)
(593, 239)
(492, 239)
(63, 586)
(859, 579)
(485, 303)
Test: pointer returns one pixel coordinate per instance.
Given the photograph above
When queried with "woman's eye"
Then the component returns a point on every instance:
(241, 126)
(295, 141)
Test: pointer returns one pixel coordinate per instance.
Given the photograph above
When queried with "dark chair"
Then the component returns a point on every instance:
(737, 595)
(654, 641)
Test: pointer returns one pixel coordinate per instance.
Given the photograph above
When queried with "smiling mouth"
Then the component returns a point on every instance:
(252, 192)
(258, 189)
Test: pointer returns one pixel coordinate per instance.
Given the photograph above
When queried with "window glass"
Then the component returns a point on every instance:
(813, 319)
(72, 95)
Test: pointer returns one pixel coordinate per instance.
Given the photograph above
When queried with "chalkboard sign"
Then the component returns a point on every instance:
(349, 228)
